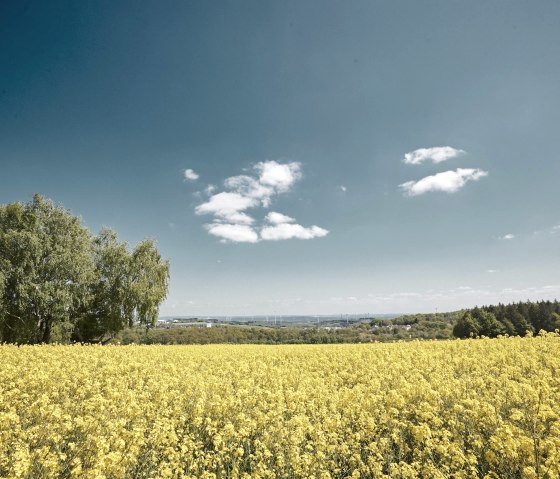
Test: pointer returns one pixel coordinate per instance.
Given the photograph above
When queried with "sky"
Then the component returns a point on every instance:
(298, 157)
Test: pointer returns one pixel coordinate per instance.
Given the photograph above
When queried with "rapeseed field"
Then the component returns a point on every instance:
(480, 408)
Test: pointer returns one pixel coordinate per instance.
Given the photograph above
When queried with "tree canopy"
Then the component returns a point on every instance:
(60, 282)
(515, 319)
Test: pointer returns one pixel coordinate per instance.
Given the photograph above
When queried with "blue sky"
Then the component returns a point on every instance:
(412, 147)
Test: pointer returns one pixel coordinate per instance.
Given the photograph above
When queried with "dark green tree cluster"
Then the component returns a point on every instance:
(58, 282)
(513, 319)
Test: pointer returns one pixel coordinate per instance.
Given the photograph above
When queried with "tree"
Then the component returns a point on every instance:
(57, 282)
(520, 324)
(466, 326)
(554, 323)
(46, 267)
(127, 290)
(110, 307)
(149, 281)
(487, 323)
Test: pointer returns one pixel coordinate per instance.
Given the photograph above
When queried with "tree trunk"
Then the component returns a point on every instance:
(47, 331)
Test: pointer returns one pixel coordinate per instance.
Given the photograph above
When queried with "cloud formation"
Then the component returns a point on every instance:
(237, 233)
(447, 181)
(278, 218)
(435, 154)
(279, 176)
(285, 231)
(228, 206)
(509, 236)
(243, 192)
(191, 175)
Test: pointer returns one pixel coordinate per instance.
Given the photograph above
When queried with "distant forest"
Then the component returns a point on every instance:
(516, 319)
(513, 319)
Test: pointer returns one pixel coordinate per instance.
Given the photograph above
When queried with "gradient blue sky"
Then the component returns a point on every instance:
(104, 105)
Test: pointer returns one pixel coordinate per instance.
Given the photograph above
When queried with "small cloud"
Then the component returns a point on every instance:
(492, 271)
(191, 175)
(209, 189)
(509, 236)
(549, 231)
(343, 188)
(435, 154)
(278, 218)
(233, 233)
(447, 181)
(286, 231)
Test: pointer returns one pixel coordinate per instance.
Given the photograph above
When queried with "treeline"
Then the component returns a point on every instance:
(411, 319)
(58, 282)
(235, 334)
(515, 319)
(415, 326)
(242, 335)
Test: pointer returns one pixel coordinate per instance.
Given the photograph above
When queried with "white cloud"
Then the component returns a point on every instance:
(234, 233)
(436, 154)
(343, 188)
(248, 192)
(278, 218)
(450, 299)
(286, 231)
(509, 236)
(209, 189)
(225, 203)
(447, 181)
(552, 231)
(426, 301)
(492, 271)
(237, 218)
(243, 192)
(191, 175)
(247, 186)
(277, 175)
(533, 292)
